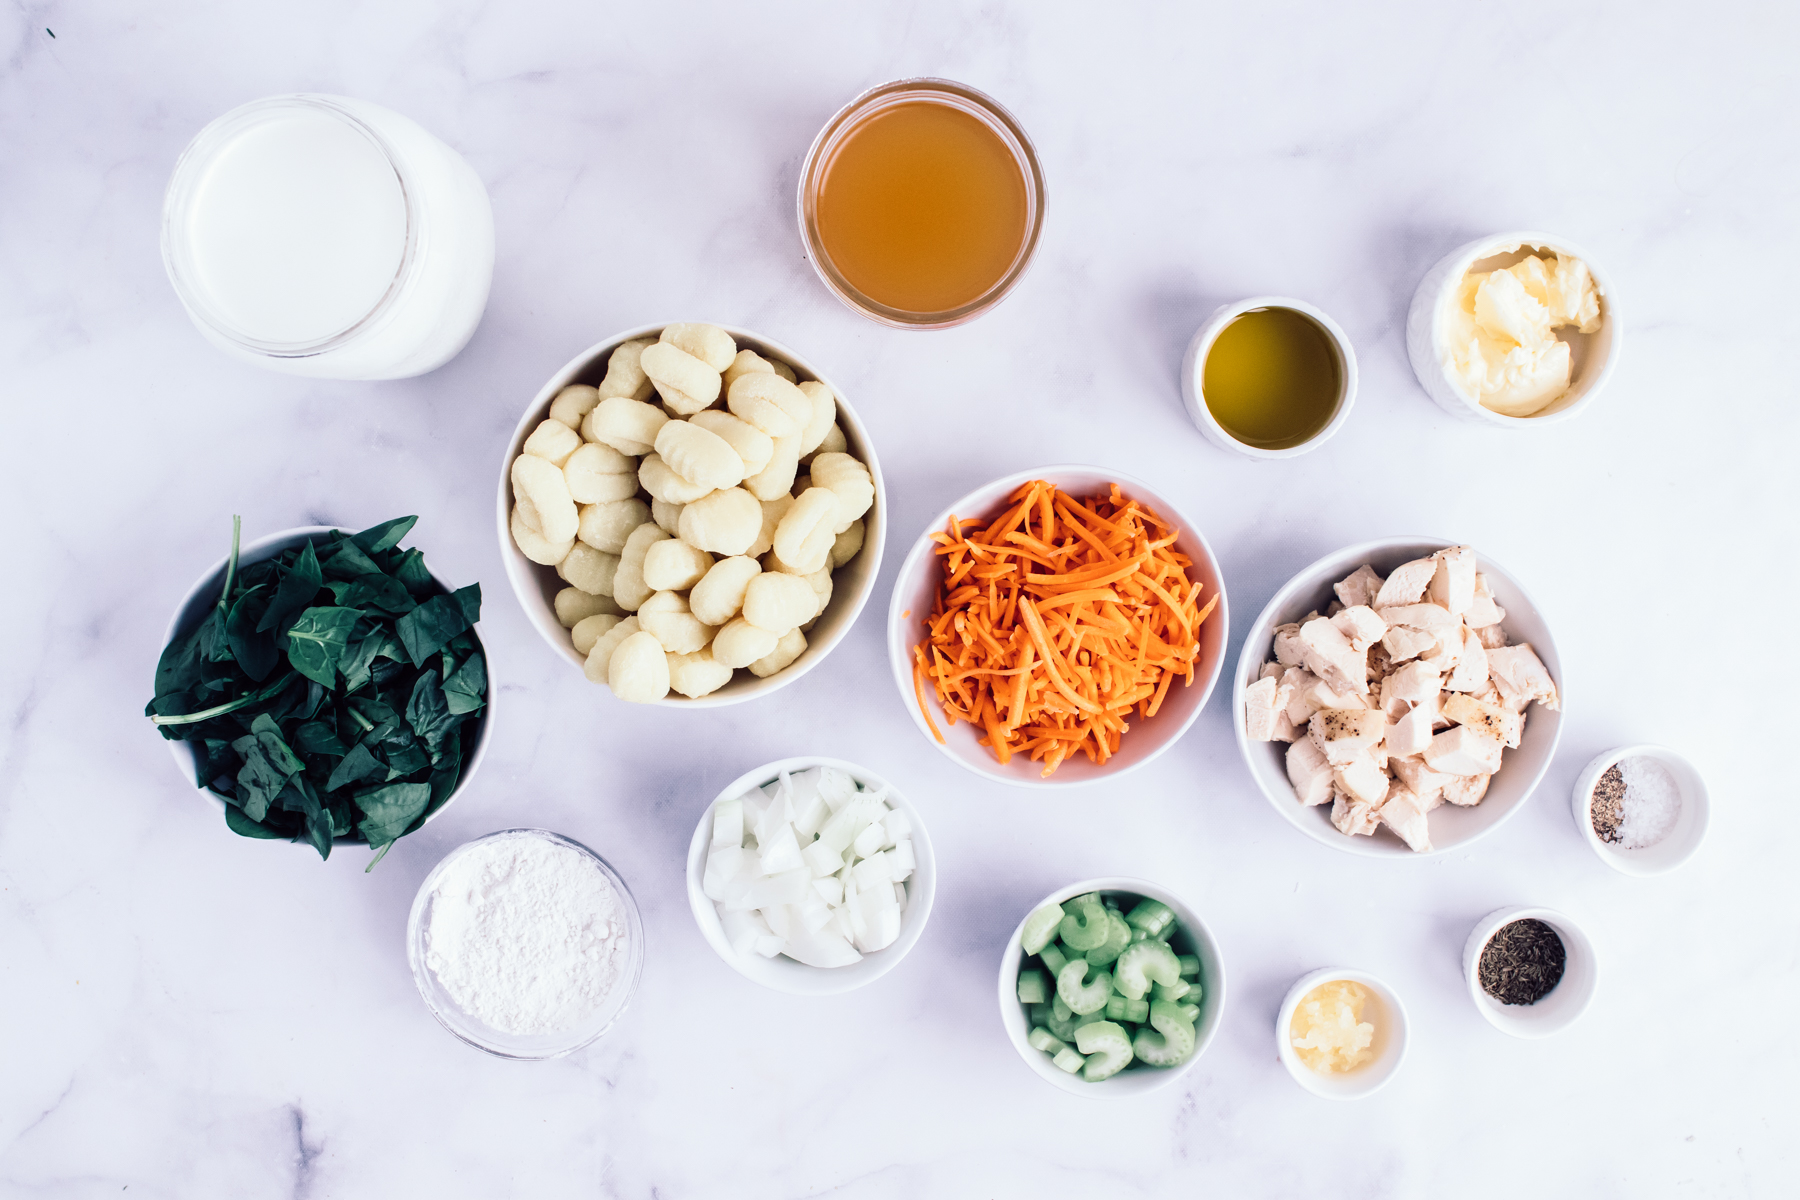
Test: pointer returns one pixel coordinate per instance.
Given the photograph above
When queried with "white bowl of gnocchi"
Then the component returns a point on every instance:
(691, 514)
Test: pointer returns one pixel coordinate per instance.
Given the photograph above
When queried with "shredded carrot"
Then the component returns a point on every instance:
(1055, 621)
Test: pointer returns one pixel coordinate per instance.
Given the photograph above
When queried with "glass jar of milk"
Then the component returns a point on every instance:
(327, 236)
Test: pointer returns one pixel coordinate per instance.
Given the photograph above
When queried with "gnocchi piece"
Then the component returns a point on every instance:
(674, 566)
(773, 511)
(708, 343)
(542, 498)
(588, 630)
(534, 545)
(783, 370)
(573, 403)
(628, 426)
(769, 402)
(667, 615)
(834, 442)
(664, 483)
(699, 455)
(667, 515)
(596, 473)
(848, 545)
(639, 670)
(629, 588)
(573, 606)
(724, 522)
(806, 534)
(745, 362)
(776, 478)
(697, 674)
(600, 654)
(606, 526)
(820, 582)
(752, 445)
(778, 603)
(719, 596)
(849, 481)
(685, 383)
(625, 373)
(791, 646)
(552, 441)
(822, 417)
(589, 569)
(740, 643)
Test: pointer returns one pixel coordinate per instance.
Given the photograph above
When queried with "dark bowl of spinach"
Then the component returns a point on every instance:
(321, 686)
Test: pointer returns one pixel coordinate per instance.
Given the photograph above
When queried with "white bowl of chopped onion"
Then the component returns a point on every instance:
(755, 947)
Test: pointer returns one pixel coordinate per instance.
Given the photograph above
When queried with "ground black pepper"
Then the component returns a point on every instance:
(1607, 808)
(1521, 962)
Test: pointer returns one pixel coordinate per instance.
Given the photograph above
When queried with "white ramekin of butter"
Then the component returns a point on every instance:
(1515, 329)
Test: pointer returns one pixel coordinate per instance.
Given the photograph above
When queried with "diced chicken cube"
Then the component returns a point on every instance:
(1404, 813)
(1434, 619)
(1471, 671)
(1519, 672)
(1407, 583)
(1260, 710)
(1453, 583)
(1361, 586)
(1490, 719)
(1342, 734)
(1411, 733)
(1361, 780)
(1424, 782)
(1462, 750)
(1492, 637)
(1308, 771)
(1286, 730)
(1300, 683)
(1448, 650)
(1356, 820)
(1466, 791)
(1331, 657)
(1270, 671)
(1360, 625)
(1482, 611)
(1415, 682)
(1402, 643)
(1289, 651)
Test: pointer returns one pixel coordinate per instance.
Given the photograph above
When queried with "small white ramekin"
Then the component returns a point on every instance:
(1193, 374)
(1682, 840)
(1563, 1004)
(1596, 354)
(1391, 1037)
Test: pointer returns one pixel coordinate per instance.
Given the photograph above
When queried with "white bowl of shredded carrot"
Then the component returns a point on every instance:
(1057, 627)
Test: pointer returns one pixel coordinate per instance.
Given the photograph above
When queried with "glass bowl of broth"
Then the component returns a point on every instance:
(1269, 377)
(921, 203)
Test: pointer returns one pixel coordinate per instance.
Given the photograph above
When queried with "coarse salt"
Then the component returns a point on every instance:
(1651, 803)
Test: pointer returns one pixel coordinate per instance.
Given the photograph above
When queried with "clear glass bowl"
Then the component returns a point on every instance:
(511, 1045)
(848, 120)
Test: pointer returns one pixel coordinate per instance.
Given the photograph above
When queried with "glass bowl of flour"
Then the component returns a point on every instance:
(525, 943)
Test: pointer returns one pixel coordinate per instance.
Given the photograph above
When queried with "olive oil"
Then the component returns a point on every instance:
(923, 208)
(1272, 378)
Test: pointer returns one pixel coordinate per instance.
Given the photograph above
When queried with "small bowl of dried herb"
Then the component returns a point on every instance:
(1531, 971)
(322, 686)
(1642, 809)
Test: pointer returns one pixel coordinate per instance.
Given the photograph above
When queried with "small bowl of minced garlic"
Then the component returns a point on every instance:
(1341, 1033)
(1514, 329)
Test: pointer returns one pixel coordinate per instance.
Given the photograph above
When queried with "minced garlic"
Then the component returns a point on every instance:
(1328, 1032)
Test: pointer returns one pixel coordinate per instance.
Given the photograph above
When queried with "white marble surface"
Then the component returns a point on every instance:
(187, 1014)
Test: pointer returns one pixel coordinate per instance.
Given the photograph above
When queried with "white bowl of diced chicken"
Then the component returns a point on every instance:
(1401, 696)
(811, 876)
(691, 514)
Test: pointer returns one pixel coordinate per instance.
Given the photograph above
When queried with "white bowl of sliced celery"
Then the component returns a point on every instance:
(811, 876)
(1138, 1014)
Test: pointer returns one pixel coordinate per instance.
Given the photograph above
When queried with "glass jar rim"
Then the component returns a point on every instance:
(177, 258)
(851, 117)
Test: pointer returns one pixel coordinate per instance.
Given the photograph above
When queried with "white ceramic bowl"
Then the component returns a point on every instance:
(1680, 843)
(1451, 827)
(478, 1033)
(1595, 355)
(915, 593)
(536, 586)
(1193, 938)
(1559, 1007)
(199, 601)
(1193, 373)
(1385, 1012)
(781, 972)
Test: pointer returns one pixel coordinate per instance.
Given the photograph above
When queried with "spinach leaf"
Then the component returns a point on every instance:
(469, 600)
(466, 689)
(243, 826)
(373, 592)
(384, 536)
(355, 767)
(411, 573)
(179, 667)
(429, 715)
(405, 755)
(317, 737)
(317, 640)
(269, 766)
(300, 796)
(253, 649)
(299, 585)
(390, 809)
(428, 627)
(348, 562)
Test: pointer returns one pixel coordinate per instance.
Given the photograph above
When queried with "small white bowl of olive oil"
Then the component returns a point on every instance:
(1269, 377)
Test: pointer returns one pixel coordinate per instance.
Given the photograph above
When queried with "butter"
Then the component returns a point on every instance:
(1503, 349)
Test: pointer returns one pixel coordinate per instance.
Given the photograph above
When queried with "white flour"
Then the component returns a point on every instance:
(527, 935)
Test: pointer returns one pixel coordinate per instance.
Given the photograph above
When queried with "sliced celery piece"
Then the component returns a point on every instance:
(1138, 935)
(1189, 1012)
(1142, 962)
(1053, 957)
(1107, 1047)
(1043, 1039)
(1118, 1008)
(1118, 936)
(1151, 916)
(1061, 1024)
(1032, 989)
(1082, 998)
(1084, 924)
(1068, 1060)
(1169, 1040)
(1040, 928)
(1061, 1010)
(1190, 966)
(1171, 991)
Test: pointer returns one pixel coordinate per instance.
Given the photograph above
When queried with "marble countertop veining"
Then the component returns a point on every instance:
(187, 1014)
